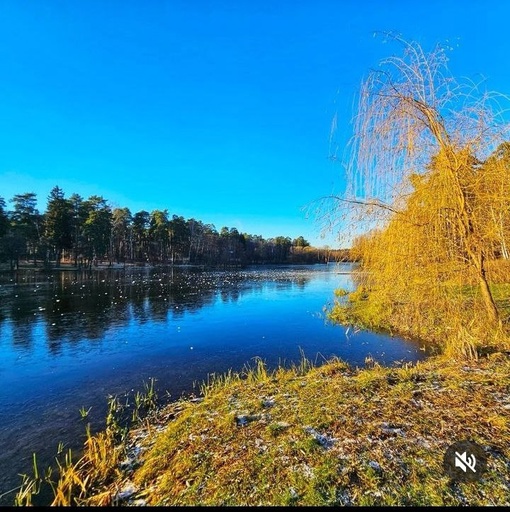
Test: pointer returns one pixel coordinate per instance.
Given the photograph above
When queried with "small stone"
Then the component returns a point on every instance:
(417, 403)
(259, 443)
(324, 440)
(375, 466)
(423, 443)
(127, 491)
(268, 402)
(243, 419)
(393, 431)
(388, 429)
(307, 471)
(127, 463)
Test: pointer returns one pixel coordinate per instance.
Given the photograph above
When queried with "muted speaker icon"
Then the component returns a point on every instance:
(465, 461)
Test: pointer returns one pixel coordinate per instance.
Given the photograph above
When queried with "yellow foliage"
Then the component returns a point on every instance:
(430, 176)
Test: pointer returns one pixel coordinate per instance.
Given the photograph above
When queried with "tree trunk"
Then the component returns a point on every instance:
(488, 300)
(468, 233)
(487, 297)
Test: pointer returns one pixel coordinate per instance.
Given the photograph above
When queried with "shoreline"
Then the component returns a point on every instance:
(327, 435)
(381, 444)
(24, 266)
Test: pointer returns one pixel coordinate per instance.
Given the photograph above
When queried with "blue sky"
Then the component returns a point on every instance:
(215, 110)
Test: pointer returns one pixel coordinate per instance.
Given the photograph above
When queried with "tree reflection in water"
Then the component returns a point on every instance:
(78, 307)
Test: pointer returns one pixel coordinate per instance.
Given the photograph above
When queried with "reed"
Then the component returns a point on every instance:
(88, 480)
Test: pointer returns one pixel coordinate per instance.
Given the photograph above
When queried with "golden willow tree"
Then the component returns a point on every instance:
(429, 173)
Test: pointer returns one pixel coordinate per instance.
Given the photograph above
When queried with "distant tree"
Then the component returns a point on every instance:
(211, 244)
(196, 239)
(159, 231)
(27, 222)
(4, 219)
(79, 213)
(233, 246)
(180, 237)
(241, 245)
(282, 248)
(59, 223)
(97, 228)
(255, 248)
(224, 246)
(7, 249)
(13, 246)
(121, 233)
(300, 242)
(141, 222)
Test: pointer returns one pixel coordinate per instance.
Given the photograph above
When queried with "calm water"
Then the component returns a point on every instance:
(69, 339)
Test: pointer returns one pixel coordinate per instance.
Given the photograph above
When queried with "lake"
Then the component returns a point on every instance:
(69, 339)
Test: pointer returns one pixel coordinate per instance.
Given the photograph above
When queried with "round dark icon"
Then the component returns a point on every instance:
(465, 461)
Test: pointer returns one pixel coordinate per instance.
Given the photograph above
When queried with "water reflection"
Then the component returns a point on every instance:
(79, 307)
(69, 339)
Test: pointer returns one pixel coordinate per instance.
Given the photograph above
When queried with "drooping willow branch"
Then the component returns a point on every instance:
(421, 146)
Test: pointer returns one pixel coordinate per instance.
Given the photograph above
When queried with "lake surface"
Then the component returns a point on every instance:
(69, 339)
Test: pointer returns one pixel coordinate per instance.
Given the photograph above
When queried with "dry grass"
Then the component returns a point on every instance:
(330, 435)
(94, 479)
(335, 435)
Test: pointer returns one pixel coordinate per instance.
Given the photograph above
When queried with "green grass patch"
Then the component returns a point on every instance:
(329, 435)
(336, 436)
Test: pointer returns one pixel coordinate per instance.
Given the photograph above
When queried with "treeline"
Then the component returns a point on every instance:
(87, 232)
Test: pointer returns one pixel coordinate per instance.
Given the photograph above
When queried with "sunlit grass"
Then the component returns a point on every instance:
(92, 479)
(387, 429)
(454, 322)
(327, 435)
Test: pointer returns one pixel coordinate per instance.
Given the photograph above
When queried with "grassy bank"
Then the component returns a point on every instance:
(319, 436)
(454, 324)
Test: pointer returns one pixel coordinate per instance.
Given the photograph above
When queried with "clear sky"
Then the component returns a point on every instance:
(218, 110)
